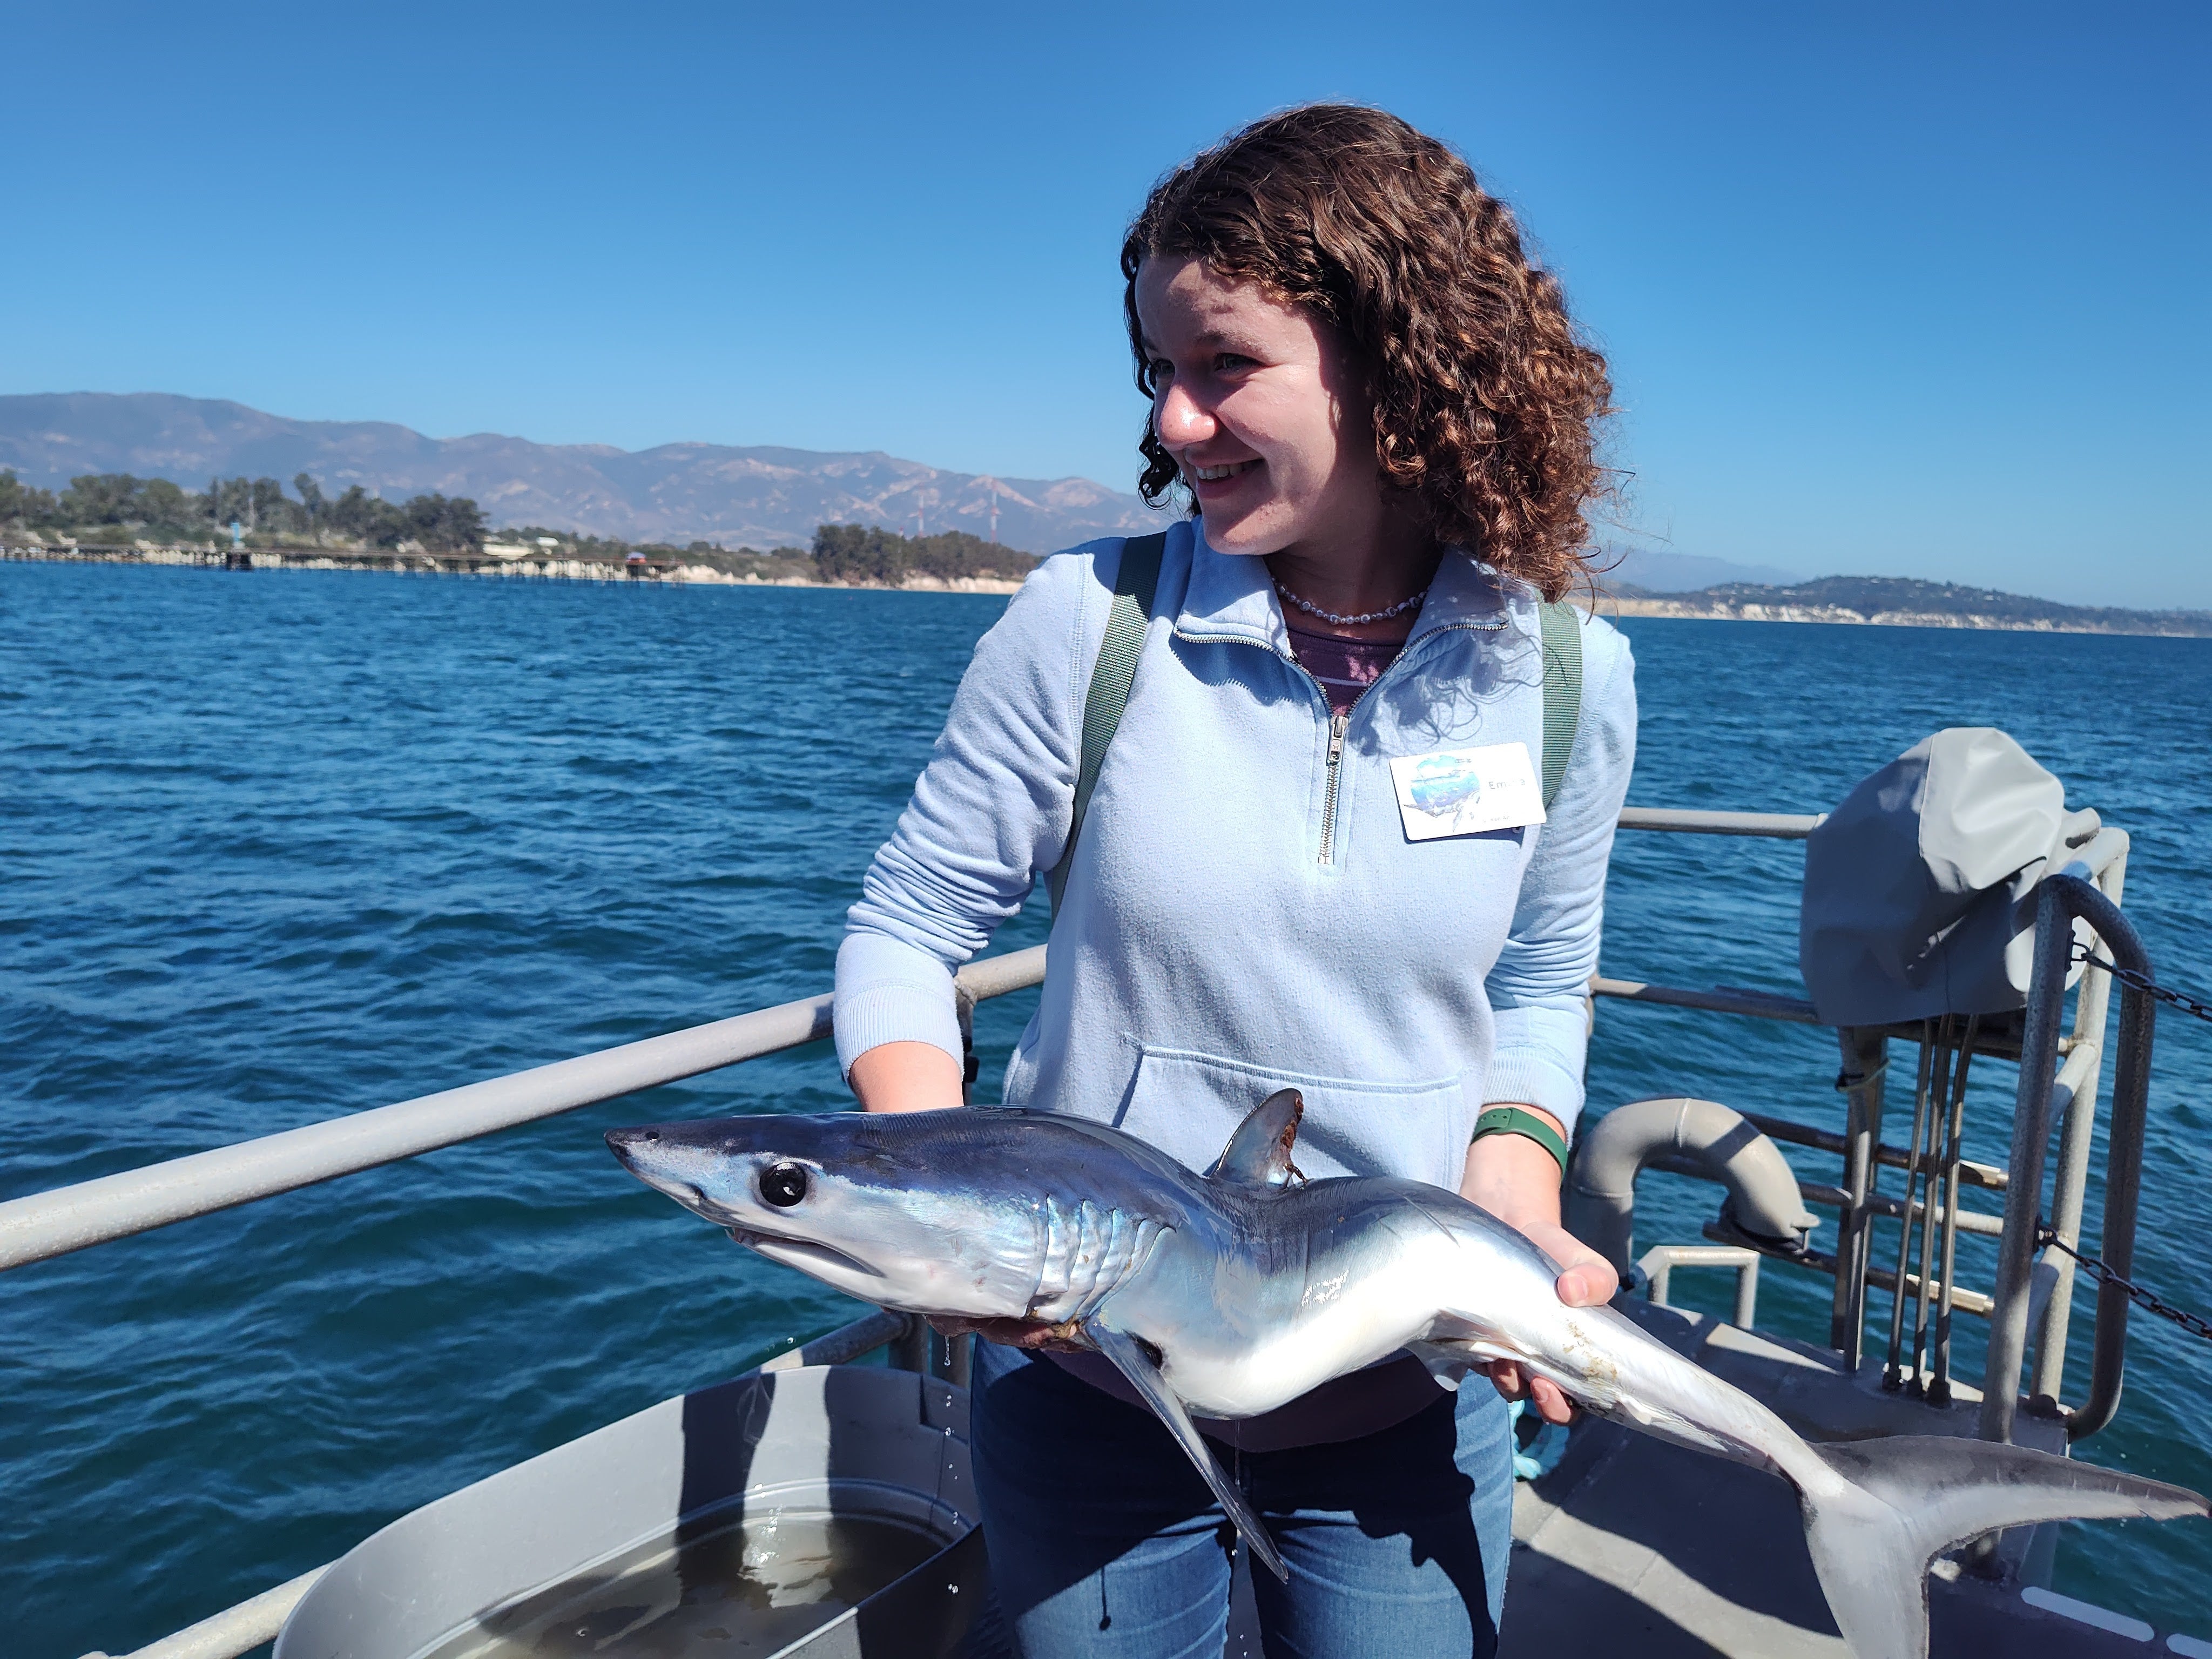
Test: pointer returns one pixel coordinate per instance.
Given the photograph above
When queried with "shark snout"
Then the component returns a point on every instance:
(658, 1161)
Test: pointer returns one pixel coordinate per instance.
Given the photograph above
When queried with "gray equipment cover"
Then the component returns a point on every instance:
(1919, 888)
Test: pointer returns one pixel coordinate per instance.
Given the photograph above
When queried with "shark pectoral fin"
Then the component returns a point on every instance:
(1443, 1355)
(1466, 1351)
(1130, 1359)
(1447, 1366)
(1259, 1153)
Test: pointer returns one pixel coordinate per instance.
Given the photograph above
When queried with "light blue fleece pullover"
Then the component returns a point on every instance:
(1223, 935)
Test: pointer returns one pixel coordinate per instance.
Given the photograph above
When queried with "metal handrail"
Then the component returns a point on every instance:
(1757, 1004)
(43, 1225)
(1656, 1269)
(2060, 900)
(52, 1224)
(1783, 826)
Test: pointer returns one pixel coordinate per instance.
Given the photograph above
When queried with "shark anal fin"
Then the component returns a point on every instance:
(1132, 1361)
(1259, 1153)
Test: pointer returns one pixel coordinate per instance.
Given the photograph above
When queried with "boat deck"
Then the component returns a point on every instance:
(1632, 1545)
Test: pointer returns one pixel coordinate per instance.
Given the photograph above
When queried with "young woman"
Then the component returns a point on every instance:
(1381, 417)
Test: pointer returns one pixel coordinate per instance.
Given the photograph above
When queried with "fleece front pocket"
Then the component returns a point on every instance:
(1188, 1103)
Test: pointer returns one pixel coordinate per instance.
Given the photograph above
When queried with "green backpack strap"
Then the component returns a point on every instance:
(1563, 691)
(1134, 584)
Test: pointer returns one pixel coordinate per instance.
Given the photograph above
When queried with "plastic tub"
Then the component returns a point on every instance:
(824, 1511)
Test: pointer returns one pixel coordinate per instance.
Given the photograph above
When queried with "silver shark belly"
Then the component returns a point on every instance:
(1244, 1326)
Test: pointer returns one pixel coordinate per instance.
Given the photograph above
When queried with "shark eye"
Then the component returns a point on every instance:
(783, 1185)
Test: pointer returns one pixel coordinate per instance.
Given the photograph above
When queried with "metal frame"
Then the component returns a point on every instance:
(2060, 902)
(2040, 1293)
(1655, 1267)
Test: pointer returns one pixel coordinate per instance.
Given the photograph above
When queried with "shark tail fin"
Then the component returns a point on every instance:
(1911, 1497)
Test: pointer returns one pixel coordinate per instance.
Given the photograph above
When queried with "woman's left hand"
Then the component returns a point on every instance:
(1516, 1181)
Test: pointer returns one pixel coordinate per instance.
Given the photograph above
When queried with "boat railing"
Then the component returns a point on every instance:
(2033, 1284)
(2031, 1303)
(42, 1226)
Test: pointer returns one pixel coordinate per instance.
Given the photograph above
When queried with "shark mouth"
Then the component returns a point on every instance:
(802, 1254)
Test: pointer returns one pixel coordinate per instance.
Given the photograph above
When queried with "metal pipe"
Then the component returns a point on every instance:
(1892, 1373)
(848, 1342)
(2060, 900)
(1939, 1391)
(1795, 1009)
(1701, 1137)
(1881, 1204)
(2069, 1181)
(1968, 1302)
(235, 1630)
(1766, 1004)
(1987, 1177)
(1866, 1057)
(52, 1224)
(1938, 1106)
(2116, 1243)
(1781, 826)
(2030, 1133)
(1658, 1263)
(2107, 849)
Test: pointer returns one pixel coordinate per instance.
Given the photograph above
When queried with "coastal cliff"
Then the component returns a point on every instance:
(1897, 602)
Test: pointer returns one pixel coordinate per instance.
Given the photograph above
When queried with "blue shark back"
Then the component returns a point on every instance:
(997, 1151)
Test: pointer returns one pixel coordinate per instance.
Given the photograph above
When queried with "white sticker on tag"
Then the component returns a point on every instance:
(1463, 792)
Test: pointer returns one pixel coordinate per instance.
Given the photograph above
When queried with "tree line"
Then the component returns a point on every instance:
(846, 553)
(158, 509)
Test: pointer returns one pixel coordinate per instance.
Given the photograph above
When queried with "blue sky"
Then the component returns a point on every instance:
(1895, 290)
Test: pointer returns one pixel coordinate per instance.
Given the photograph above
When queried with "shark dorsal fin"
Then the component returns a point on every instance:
(1259, 1153)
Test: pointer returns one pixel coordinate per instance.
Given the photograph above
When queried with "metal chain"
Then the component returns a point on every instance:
(2148, 1301)
(2188, 1005)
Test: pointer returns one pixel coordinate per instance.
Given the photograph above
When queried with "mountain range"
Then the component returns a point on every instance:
(760, 497)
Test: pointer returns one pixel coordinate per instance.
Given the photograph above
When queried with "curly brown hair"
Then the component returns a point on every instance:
(1485, 399)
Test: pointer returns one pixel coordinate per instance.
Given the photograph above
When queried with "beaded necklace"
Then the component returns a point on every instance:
(1384, 615)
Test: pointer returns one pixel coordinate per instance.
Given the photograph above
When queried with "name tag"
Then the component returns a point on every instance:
(1463, 792)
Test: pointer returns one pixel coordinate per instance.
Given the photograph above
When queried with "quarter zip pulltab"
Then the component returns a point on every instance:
(1338, 723)
(1336, 726)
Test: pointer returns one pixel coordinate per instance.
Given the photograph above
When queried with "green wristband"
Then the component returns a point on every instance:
(1512, 1120)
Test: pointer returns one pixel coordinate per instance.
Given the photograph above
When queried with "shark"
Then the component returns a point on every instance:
(1229, 1292)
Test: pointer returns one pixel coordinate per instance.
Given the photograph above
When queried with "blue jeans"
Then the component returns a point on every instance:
(1106, 1545)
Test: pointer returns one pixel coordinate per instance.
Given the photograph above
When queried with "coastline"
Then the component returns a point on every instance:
(669, 572)
(768, 571)
(1697, 609)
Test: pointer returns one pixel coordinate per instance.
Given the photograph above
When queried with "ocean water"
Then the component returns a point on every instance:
(278, 846)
